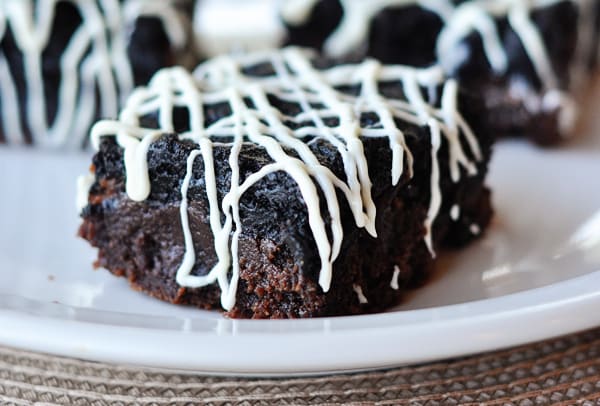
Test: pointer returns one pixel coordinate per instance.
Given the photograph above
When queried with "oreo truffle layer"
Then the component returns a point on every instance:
(65, 64)
(278, 186)
(526, 60)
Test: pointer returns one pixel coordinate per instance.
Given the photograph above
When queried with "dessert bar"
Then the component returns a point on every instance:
(280, 184)
(525, 60)
(65, 64)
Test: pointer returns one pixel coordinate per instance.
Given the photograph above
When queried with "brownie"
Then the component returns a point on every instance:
(336, 215)
(526, 70)
(93, 55)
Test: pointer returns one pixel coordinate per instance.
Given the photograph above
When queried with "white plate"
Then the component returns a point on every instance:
(536, 274)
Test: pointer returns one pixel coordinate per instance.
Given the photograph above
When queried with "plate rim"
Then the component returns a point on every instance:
(430, 336)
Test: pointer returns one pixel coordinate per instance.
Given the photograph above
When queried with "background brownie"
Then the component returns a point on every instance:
(93, 55)
(521, 98)
(278, 255)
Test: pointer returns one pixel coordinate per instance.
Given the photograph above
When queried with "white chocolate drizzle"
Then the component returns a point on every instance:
(318, 94)
(394, 282)
(297, 11)
(455, 212)
(459, 21)
(362, 299)
(95, 71)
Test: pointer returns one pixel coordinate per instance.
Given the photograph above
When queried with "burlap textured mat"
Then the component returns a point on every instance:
(559, 371)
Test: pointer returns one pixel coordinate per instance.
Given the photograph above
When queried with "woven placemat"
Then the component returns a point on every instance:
(559, 371)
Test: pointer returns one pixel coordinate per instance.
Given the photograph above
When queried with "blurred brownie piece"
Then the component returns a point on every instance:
(65, 64)
(525, 60)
